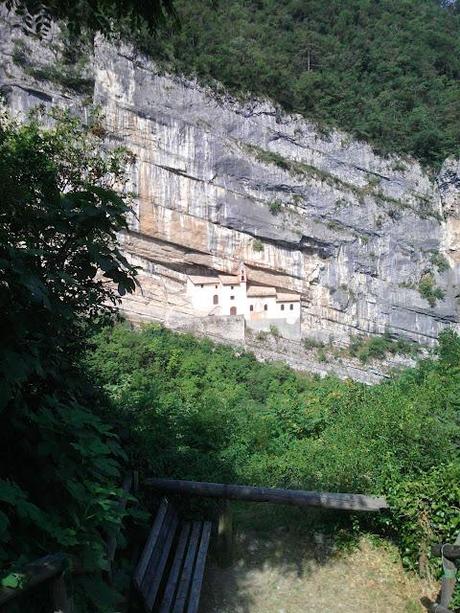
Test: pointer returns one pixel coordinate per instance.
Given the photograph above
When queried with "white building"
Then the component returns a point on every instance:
(262, 307)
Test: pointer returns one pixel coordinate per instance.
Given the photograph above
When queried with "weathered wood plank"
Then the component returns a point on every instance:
(149, 546)
(184, 584)
(346, 502)
(33, 574)
(59, 598)
(152, 592)
(156, 552)
(174, 573)
(198, 573)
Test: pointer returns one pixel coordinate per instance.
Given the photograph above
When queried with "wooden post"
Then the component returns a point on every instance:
(33, 574)
(59, 600)
(225, 535)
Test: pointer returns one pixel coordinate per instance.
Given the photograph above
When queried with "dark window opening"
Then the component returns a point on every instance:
(251, 308)
(232, 310)
(232, 297)
(282, 307)
(265, 307)
(201, 285)
(215, 299)
(291, 306)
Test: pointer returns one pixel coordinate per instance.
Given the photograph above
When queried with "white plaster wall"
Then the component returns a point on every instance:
(284, 329)
(202, 298)
(259, 312)
(239, 300)
(290, 315)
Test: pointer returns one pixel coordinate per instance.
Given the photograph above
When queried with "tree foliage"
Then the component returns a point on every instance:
(59, 216)
(386, 71)
(102, 15)
(206, 412)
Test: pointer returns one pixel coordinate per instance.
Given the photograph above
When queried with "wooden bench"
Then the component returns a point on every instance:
(169, 574)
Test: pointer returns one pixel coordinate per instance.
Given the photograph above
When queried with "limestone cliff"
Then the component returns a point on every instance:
(365, 240)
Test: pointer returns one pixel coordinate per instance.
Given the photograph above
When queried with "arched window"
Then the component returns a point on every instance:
(265, 307)
(215, 299)
(232, 310)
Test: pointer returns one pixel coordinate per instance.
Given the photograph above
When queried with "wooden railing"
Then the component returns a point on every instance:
(47, 569)
(325, 500)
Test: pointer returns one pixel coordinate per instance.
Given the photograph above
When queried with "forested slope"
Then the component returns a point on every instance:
(386, 71)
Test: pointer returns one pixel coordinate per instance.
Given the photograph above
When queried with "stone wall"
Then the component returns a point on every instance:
(280, 327)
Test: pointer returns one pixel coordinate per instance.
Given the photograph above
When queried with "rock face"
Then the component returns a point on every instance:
(219, 182)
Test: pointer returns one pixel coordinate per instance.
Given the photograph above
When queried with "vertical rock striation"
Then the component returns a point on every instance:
(219, 182)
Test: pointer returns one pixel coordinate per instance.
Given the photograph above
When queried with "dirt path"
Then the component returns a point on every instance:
(283, 574)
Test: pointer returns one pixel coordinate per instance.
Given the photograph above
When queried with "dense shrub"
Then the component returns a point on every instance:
(200, 411)
(60, 463)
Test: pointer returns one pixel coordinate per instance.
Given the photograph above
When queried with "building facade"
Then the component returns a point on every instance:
(263, 307)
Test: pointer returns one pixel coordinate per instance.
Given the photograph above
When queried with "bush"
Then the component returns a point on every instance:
(378, 347)
(441, 263)
(428, 290)
(274, 331)
(257, 245)
(275, 207)
(311, 343)
(61, 463)
(199, 411)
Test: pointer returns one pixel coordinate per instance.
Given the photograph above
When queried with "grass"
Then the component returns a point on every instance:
(291, 568)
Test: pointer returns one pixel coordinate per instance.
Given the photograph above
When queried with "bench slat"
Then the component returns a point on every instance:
(150, 545)
(160, 568)
(198, 573)
(175, 569)
(184, 584)
(157, 551)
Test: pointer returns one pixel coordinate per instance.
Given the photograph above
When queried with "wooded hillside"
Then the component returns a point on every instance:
(387, 71)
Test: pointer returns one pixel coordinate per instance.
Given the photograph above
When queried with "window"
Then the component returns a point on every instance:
(265, 307)
(232, 310)
(216, 286)
(215, 299)
(251, 308)
(201, 285)
(231, 286)
(282, 307)
(232, 297)
(291, 306)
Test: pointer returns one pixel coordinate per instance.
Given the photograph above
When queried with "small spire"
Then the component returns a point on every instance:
(242, 273)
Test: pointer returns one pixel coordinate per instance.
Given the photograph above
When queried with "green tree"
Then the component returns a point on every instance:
(386, 71)
(60, 274)
(96, 16)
